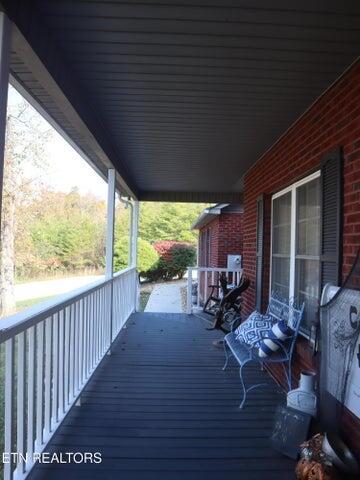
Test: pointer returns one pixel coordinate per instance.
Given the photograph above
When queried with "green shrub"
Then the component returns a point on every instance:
(175, 258)
(121, 253)
(165, 263)
(182, 257)
(147, 255)
(158, 271)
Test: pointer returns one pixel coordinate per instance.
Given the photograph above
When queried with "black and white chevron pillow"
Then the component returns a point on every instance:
(254, 329)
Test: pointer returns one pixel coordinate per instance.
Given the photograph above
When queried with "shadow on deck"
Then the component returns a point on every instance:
(161, 407)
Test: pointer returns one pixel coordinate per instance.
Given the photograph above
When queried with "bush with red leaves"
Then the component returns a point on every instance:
(175, 258)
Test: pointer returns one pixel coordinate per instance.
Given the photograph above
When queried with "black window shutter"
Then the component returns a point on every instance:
(331, 218)
(259, 252)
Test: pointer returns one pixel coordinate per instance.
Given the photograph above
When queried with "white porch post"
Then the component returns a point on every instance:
(5, 46)
(134, 242)
(189, 292)
(134, 232)
(109, 259)
(109, 262)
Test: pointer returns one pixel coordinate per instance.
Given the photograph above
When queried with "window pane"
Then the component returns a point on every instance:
(308, 218)
(282, 224)
(281, 232)
(280, 276)
(308, 248)
(307, 287)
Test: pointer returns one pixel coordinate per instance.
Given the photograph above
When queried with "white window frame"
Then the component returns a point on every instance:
(292, 188)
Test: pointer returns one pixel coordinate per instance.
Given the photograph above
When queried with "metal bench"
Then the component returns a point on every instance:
(278, 309)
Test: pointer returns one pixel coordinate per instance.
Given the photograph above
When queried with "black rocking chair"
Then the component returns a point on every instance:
(213, 301)
(228, 314)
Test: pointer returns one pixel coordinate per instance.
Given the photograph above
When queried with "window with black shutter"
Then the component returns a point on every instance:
(295, 244)
(259, 252)
(306, 236)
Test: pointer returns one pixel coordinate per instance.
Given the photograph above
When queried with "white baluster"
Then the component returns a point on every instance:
(31, 395)
(39, 385)
(20, 427)
(47, 378)
(55, 372)
(9, 413)
(61, 407)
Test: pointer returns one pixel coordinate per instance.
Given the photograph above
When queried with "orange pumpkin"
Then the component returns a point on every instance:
(303, 469)
(312, 470)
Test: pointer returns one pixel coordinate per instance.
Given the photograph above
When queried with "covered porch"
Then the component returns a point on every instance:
(161, 407)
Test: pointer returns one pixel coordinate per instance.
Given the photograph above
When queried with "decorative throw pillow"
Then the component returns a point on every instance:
(270, 343)
(254, 329)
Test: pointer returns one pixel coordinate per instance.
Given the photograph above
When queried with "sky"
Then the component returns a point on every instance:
(67, 169)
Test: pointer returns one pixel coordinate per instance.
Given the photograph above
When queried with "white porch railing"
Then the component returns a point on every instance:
(202, 278)
(51, 351)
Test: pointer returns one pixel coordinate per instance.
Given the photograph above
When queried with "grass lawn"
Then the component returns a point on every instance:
(144, 297)
(30, 302)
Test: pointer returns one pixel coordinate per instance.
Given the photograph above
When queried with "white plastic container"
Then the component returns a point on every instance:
(304, 398)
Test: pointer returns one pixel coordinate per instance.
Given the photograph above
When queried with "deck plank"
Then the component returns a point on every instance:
(161, 407)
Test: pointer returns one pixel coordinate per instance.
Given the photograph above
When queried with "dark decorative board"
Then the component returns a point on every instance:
(291, 428)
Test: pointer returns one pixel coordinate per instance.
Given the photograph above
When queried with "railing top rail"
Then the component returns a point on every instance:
(123, 272)
(19, 322)
(215, 269)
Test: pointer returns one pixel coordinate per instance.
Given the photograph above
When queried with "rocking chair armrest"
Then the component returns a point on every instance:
(238, 301)
(234, 325)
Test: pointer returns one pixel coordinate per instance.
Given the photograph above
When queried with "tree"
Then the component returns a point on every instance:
(67, 233)
(168, 221)
(24, 145)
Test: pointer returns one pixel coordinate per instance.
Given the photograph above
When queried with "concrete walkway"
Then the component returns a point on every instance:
(165, 298)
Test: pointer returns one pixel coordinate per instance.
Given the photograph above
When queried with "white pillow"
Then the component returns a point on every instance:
(278, 333)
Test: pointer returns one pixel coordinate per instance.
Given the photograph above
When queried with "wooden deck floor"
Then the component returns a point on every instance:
(160, 407)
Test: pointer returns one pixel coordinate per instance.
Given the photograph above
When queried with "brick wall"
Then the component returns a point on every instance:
(226, 238)
(333, 121)
(214, 242)
(230, 237)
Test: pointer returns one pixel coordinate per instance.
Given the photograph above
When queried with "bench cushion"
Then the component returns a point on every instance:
(254, 329)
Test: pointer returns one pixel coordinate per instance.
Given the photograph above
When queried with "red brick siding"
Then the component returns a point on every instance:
(213, 228)
(230, 238)
(226, 238)
(332, 122)
(214, 242)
